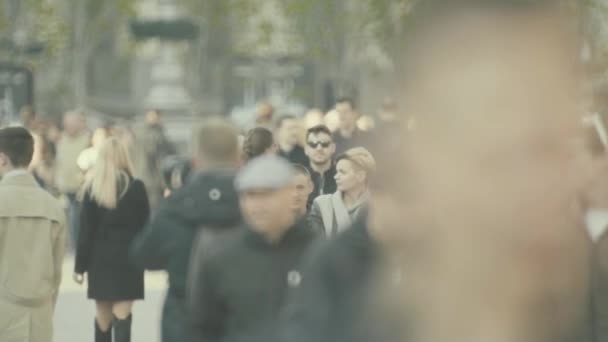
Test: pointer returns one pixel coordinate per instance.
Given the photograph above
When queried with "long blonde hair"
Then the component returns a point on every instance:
(109, 178)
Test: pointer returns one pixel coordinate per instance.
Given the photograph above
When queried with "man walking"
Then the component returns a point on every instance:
(208, 201)
(240, 288)
(32, 244)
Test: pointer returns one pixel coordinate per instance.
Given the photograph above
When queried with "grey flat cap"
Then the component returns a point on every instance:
(265, 172)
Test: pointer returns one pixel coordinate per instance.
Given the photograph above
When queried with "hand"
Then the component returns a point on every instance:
(78, 278)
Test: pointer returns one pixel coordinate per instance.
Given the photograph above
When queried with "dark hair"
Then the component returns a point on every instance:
(18, 144)
(284, 118)
(301, 170)
(257, 141)
(318, 129)
(346, 99)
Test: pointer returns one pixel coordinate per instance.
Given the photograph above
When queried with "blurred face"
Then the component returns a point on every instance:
(99, 137)
(320, 148)
(347, 116)
(289, 132)
(348, 176)
(264, 211)
(303, 187)
(153, 117)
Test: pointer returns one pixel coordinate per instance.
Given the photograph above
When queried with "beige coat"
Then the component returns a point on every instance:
(32, 245)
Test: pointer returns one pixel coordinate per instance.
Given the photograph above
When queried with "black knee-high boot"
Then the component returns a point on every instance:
(102, 336)
(122, 329)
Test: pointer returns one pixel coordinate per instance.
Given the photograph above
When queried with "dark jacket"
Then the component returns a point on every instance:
(335, 300)
(103, 245)
(166, 243)
(295, 156)
(324, 184)
(358, 139)
(242, 287)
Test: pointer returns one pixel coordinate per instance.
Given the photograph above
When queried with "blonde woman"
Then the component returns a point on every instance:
(114, 209)
(334, 213)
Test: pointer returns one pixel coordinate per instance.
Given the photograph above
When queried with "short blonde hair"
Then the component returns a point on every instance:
(361, 158)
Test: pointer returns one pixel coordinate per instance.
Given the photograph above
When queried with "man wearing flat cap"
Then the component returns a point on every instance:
(239, 290)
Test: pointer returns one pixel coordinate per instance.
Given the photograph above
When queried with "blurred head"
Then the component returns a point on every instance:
(73, 123)
(303, 187)
(264, 210)
(332, 120)
(16, 148)
(320, 147)
(353, 169)
(313, 118)
(216, 144)
(264, 113)
(110, 174)
(258, 141)
(265, 186)
(153, 117)
(348, 116)
(288, 130)
(28, 116)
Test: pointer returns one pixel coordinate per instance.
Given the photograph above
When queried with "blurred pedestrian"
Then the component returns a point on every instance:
(208, 202)
(313, 118)
(114, 209)
(86, 159)
(32, 244)
(68, 176)
(303, 188)
(320, 149)
(240, 288)
(176, 171)
(288, 132)
(258, 141)
(348, 134)
(151, 146)
(42, 166)
(334, 213)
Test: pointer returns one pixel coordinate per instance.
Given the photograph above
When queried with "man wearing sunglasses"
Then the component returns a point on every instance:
(320, 149)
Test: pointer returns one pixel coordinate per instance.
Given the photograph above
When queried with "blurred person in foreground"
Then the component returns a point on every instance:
(320, 150)
(258, 141)
(32, 244)
(352, 285)
(114, 209)
(68, 176)
(240, 289)
(332, 214)
(508, 258)
(288, 136)
(151, 146)
(209, 201)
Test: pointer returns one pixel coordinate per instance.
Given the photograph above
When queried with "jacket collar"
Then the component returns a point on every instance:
(20, 179)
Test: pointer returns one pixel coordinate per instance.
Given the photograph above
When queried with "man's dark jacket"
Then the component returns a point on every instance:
(208, 200)
(335, 300)
(241, 288)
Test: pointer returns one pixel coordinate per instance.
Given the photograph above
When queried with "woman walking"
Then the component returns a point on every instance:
(114, 209)
(334, 213)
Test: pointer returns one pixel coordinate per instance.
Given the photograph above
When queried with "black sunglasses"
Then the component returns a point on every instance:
(319, 143)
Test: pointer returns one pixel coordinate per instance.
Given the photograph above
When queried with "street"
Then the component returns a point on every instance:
(74, 314)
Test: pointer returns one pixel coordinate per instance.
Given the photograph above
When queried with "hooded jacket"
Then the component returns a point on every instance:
(166, 243)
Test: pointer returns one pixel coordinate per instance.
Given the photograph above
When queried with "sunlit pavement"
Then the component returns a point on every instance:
(74, 314)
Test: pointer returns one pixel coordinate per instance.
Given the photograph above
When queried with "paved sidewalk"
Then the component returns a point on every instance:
(74, 314)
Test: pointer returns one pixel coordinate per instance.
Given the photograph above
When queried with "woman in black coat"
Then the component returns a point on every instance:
(114, 209)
